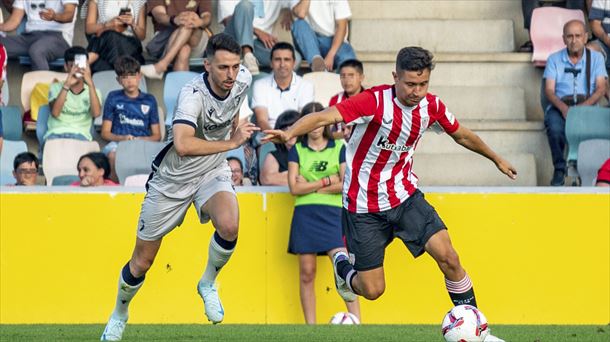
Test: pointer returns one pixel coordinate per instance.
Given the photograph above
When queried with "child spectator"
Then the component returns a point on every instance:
(93, 170)
(25, 169)
(316, 166)
(351, 74)
(275, 165)
(128, 113)
(115, 28)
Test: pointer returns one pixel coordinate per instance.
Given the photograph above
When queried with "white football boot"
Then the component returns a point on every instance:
(114, 330)
(340, 284)
(211, 302)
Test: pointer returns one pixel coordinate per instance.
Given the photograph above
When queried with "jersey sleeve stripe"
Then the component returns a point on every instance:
(185, 122)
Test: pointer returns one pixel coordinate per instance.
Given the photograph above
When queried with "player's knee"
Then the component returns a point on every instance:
(227, 229)
(450, 260)
(141, 265)
(372, 291)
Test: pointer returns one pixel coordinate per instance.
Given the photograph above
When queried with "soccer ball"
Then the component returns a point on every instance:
(465, 323)
(344, 318)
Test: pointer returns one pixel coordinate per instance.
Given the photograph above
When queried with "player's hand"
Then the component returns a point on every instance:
(276, 136)
(243, 132)
(506, 168)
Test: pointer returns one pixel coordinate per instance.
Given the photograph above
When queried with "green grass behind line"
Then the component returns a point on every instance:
(296, 333)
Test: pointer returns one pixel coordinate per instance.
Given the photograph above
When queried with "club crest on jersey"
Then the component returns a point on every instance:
(145, 108)
(384, 144)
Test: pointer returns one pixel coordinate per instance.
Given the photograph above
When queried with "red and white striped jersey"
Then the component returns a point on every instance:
(379, 155)
(337, 98)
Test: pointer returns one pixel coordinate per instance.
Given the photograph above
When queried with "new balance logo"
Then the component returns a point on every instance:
(319, 166)
(384, 144)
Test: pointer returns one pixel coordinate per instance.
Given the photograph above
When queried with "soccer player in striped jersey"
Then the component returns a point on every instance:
(380, 196)
(192, 169)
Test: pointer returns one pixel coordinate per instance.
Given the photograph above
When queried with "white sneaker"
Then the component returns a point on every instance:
(211, 302)
(114, 330)
(251, 63)
(340, 284)
(149, 71)
(492, 338)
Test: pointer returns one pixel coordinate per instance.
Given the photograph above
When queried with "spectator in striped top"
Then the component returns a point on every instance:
(114, 28)
(351, 74)
(380, 196)
(599, 19)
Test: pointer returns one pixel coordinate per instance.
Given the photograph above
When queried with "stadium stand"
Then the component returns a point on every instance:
(136, 180)
(135, 157)
(105, 82)
(591, 155)
(584, 123)
(64, 180)
(9, 150)
(326, 85)
(61, 155)
(11, 122)
(547, 25)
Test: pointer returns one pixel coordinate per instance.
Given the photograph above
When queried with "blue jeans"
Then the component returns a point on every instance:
(555, 126)
(240, 25)
(311, 44)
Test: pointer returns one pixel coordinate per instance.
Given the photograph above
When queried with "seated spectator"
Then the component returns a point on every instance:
(179, 28)
(48, 31)
(599, 19)
(567, 85)
(275, 165)
(603, 175)
(115, 28)
(129, 113)
(528, 7)
(25, 168)
(320, 32)
(316, 167)
(93, 170)
(74, 102)
(251, 26)
(237, 172)
(351, 74)
(282, 90)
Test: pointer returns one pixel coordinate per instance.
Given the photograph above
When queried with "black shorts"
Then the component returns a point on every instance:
(367, 234)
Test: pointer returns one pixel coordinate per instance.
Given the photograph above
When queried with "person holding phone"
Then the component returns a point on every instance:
(114, 28)
(48, 30)
(75, 101)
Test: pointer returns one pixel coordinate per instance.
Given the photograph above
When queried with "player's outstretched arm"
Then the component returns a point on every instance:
(473, 142)
(187, 144)
(304, 125)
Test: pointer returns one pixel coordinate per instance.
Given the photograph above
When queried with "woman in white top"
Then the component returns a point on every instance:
(114, 28)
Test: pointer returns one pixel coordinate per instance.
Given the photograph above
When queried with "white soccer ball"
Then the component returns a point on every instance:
(465, 323)
(344, 318)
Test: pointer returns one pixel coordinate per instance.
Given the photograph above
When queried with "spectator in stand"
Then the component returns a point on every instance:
(603, 175)
(2, 72)
(567, 85)
(237, 172)
(116, 28)
(528, 7)
(250, 23)
(129, 114)
(599, 19)
(93, 170)
(48, 31)
(180, 26)
(280, 91)
(25, 168)
(320, 32)
(275, 164)
(316, 166)
(74, 102)
(351, 74)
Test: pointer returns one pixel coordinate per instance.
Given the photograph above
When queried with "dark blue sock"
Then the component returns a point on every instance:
(129, 278)
(343, 267)
(228, 245)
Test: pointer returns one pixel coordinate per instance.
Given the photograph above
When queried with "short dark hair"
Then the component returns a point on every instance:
(126, 65)
(241, 166)
(353, 63)
(285, 120)
(314, 107)
(283, 46)
(24, 157)
(99, 160)
(414, 58)
(221, 41)
(73, 51)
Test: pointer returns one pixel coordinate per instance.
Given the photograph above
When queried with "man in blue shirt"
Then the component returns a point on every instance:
(566, 85)
(129, 113)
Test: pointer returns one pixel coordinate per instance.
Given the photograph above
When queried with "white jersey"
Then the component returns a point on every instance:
(212, 118)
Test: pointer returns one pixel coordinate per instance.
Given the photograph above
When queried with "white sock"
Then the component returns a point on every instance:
(217, 258)
(124, 296)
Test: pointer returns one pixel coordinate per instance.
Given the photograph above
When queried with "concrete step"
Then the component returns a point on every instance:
(435, 35)
(491, 103)
(469, 169)
(504, 137)
(471, 70)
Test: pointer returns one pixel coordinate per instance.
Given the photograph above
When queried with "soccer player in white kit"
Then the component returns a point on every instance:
(192, 169)
(381, 201)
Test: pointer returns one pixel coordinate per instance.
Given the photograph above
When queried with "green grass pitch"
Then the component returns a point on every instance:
(246, 333)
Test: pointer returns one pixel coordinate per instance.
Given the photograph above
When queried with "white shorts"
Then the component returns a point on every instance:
(161, 214)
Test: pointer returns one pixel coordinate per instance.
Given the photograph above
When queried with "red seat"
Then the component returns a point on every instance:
(547, 30)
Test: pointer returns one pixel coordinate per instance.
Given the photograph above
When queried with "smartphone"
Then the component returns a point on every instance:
(125, 10)
(80, 60)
